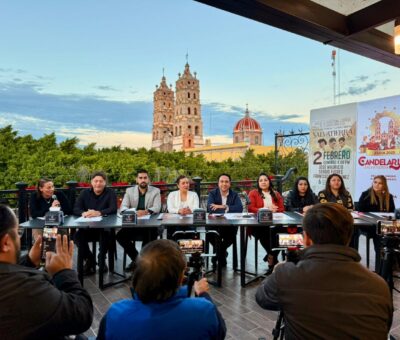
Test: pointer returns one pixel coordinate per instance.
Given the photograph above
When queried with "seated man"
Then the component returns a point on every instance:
(147, 200)
(96, 201)
(161, 308)
(38, 304)
(328, 294)
(221, 200)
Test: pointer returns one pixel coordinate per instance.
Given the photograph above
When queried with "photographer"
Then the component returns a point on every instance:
(160, 308)
(35, 304)
(328, 294)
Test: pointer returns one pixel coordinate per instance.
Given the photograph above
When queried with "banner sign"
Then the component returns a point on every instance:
(378, 140)
(357, 141)
(332, 145)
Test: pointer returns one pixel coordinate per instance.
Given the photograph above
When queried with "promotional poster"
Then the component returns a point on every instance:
(332, 145)
(358, 141)
(378, 140)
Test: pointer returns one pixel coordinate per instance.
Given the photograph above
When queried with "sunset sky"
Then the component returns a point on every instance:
(89, 69)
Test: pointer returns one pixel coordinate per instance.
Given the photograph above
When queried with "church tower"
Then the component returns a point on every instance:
(188, 126)
(163, 117)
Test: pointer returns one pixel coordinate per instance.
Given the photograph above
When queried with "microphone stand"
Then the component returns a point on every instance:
(245, 213)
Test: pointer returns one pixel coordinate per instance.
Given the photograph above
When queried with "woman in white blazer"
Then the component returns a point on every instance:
(182, 201)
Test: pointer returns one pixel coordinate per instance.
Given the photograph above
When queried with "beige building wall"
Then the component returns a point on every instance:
(234, 151)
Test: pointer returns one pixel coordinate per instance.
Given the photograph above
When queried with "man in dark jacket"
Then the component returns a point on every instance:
(160, 307)
(94, 202)
(220, 201)
(328, 294)
(37, 304)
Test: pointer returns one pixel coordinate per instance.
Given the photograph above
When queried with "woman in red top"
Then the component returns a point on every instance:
(265, 197)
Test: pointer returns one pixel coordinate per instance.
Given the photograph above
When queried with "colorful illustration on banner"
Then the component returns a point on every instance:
(384, 135)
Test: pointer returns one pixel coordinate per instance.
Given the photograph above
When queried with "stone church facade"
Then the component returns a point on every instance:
(177, 122)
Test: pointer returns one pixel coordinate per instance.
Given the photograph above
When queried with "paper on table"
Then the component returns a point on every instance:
(281, 216)
(236, 216)
(88, 219)
(185, 216)
(383, 214)
(145, 217)
(160, 216)
(355, 215)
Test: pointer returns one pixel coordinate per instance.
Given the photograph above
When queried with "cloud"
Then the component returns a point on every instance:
(364, 88)
(359, 79)
(30, 110)
(86, 134)
(11, 70)
(105, 88)
(28, 99)
(109, 138)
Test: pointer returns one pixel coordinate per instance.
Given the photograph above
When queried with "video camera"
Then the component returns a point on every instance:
(389, 231)
(194, 248)
(286, 238)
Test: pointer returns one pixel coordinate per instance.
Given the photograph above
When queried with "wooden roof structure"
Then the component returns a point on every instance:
(364, 27)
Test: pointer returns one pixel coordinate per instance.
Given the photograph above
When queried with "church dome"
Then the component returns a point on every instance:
(247, 124)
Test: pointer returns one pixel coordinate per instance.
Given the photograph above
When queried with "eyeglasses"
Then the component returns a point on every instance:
(21, 232)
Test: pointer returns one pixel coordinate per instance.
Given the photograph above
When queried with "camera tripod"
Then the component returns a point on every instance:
(390, 248)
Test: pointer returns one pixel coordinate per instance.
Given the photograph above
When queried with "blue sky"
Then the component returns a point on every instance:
(89, 68)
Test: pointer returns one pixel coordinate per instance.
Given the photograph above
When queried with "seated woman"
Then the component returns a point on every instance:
(182, 201)
(376, 199)
(301, 197)
(46, 197)
(265, 197)
(335, 192)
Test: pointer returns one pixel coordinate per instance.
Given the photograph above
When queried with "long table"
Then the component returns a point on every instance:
(172, 220)
(110, 222)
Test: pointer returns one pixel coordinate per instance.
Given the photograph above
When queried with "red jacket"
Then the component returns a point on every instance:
(257, 202)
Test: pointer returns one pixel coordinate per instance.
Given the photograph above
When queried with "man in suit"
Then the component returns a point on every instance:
(222, 200)
(146, 200)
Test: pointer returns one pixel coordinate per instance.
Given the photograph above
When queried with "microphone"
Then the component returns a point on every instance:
(245, 213)
(54, 197)
(246, 197)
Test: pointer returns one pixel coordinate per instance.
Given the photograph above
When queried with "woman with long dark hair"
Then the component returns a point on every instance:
(335, 192)
(265, 197)
(46, 197)
(301, 197)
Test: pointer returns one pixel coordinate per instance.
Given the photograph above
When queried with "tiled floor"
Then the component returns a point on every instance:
(244, 318)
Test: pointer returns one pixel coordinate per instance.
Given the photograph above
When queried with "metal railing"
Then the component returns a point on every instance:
(19, 198)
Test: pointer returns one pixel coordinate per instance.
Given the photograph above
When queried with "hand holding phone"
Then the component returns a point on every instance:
(62, 258)
(36, 251)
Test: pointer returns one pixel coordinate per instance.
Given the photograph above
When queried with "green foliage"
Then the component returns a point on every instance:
(27, 159)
